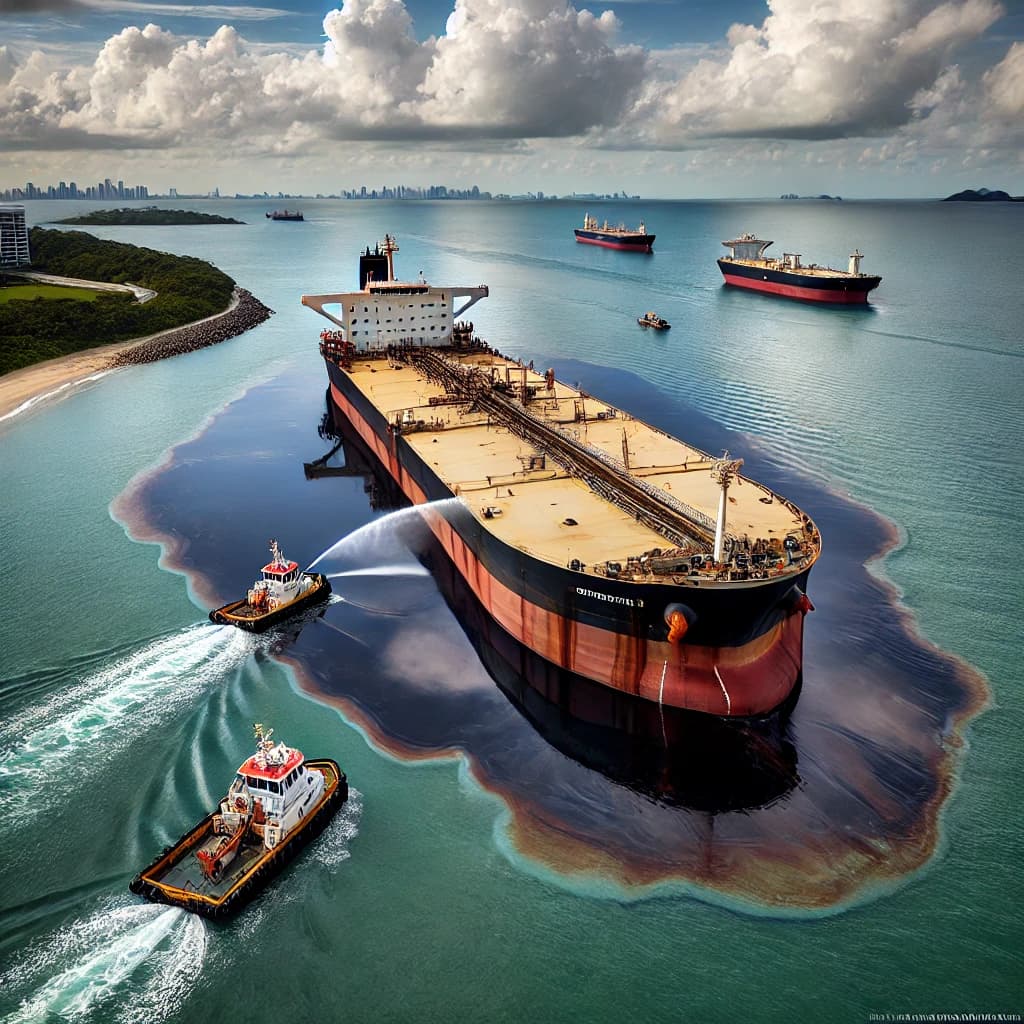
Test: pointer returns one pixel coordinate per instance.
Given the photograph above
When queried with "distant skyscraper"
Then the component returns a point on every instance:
(14, 250)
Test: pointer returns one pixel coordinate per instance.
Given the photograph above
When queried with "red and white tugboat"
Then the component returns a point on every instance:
(281, 592)
(276, 804)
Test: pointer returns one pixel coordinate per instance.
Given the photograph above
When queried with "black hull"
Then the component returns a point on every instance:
(847, 289)
(721, 618)
(742, 653)
(616, 240)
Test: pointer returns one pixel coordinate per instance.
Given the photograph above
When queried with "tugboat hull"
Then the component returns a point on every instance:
(241, 614)
(176, 879)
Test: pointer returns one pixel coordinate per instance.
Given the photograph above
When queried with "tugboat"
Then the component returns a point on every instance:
(277, 803)
(650, 319)
(281, 592)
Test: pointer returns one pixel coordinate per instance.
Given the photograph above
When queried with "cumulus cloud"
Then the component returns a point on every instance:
(508, 71)
(815, 69)
(504, 69)
(1005, 84)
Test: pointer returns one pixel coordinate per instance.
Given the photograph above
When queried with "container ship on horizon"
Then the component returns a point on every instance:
(746, 266)
(609, 548)
(619, 237)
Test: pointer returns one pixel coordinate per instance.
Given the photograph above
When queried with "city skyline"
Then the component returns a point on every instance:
(864, 98)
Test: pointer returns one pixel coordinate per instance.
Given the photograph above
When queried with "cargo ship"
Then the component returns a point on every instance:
(746, 266)
(607, 547)
(672, 756)
(621, 237)
(285, 215)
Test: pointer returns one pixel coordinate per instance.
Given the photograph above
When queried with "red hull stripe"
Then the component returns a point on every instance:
(730, 681)
(794, 292)
(615, 245)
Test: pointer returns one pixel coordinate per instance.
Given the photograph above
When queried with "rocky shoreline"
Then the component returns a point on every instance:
(246, 312)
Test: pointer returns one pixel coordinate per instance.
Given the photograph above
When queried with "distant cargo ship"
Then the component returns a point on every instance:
(286, 215)
(595, 540)
(746, 266)
(615, 238)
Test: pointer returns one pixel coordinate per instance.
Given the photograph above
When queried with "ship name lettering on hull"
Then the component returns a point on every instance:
(631, 602)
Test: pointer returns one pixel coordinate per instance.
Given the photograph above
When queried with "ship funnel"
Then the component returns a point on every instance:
(855, 257)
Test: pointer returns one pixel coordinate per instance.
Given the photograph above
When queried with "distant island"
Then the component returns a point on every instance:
(983, 195)
(793, 195)
(148, 215)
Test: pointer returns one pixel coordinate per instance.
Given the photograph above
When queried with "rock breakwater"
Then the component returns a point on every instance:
(245, 312)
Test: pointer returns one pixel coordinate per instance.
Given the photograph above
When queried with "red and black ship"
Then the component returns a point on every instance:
(746, 266)
(608, 548)
(621, 237)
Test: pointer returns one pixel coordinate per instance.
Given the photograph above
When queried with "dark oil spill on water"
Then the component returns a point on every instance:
(814, 808)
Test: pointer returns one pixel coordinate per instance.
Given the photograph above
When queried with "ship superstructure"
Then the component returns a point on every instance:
(747, 266)
(603, 544)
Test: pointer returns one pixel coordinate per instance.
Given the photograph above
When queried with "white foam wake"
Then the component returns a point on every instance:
(83, 726)
(138, 962)
(36, 399)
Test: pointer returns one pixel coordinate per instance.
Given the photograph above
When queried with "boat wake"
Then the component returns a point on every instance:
(129, 964)
(105, 711)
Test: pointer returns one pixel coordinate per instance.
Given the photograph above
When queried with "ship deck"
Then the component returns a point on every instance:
(806, 271)
(545, 511)
(185, 874)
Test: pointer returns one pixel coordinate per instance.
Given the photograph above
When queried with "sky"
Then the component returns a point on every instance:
(662, 98)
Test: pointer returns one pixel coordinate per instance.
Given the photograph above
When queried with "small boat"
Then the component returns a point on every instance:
(650, 319)
(286, 215)
(281, 592)
(276, 804)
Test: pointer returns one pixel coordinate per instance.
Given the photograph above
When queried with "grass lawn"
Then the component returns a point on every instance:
(46, 291)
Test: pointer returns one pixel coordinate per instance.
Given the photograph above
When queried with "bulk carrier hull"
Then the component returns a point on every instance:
(841, 290)
(613, 240)
(742, 656)
(610, 549)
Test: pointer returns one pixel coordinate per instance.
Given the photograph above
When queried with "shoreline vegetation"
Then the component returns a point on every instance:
(49, 345)
(147, 215)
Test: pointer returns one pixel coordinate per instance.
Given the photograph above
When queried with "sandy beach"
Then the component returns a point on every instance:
(22, 390)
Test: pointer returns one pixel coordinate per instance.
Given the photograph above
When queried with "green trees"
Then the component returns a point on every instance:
(148, 215)
(188, 289)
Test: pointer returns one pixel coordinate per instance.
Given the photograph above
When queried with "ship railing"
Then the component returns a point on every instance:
(478, 388)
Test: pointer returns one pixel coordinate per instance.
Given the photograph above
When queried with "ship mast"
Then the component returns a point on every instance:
(390, 247)
(723, 471)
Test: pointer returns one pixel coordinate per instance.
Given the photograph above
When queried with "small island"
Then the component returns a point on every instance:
(831, 199)
(148, 215)
(983, 195)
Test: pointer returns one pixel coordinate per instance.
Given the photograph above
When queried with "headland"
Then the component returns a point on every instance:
(21, 389)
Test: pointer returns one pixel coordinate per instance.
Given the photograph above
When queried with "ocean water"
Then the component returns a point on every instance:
(493, 866)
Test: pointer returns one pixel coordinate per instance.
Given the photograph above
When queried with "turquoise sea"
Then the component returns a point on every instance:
(492, 864)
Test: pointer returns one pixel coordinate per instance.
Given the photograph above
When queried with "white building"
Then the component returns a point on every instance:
(13, 237)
